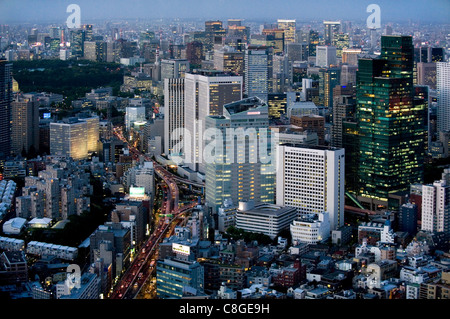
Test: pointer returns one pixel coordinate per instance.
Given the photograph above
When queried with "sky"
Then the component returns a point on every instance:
(302, 10)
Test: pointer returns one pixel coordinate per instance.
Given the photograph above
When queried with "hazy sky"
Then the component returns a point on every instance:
(391, 10)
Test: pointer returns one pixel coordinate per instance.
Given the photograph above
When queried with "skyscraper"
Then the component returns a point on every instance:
(258, 71)
(391, 134)
(6, 96)
(25, 124)
(173, 113)
(289, 27)
(331, 28)
(325, 56)
(205, 94)
(436, 207)
(311, 178)
(443, 91)
(241, 168)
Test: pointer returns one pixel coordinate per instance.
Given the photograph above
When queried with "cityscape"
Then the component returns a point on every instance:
(221, 151)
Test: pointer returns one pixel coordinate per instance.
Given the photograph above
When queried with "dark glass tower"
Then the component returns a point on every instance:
(391, 134)
(5, 108)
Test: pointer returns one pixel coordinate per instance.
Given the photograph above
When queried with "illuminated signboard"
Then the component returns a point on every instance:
(137, 191)
(181, 249)
(47, 115)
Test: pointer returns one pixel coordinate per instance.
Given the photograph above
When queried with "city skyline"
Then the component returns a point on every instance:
(436, 11)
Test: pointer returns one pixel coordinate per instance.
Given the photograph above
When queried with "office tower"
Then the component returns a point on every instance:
(25, 125)
(297, 52)
(194, 52)
(240, 170)
(329, 78)
(437, 55)
(74, 137)
(312, 123)
(325, 56)
(206, 92)
(331, 29)
(426, 74)
(77, 38)
(213, 30)
(258, 71)
(174, 68)
(289, 27)
(175, 276)
(350, 56)
(391, 135)
(311, 178)
(313, 42)
(95, 51)
(134, 114)
(341, 41)
(275, 39)
(348, 74)
(173, 113)
(443, 95)
(6, 97)
(436, 207)
(229, 60)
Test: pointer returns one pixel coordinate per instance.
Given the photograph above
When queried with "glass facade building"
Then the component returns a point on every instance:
(391, 133)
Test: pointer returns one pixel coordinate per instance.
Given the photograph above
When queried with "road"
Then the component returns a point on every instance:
(144, 264)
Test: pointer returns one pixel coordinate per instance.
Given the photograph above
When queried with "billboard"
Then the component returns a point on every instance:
(181, 249)
(47, 115)
(137, 191)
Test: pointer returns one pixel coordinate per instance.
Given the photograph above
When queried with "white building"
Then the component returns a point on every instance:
(311, 178)
(443, 95)
(205, 95)
(311, 229)
(325, 56)
(267, 219)
(14, 226)
(226, 216)
(174, 114)
(436, 207)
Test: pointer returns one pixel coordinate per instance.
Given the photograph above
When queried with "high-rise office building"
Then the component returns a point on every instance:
(242, 167)
(443, 92)
(391, 134)
(331, 29)
(77, 38)
(174, 68)
(275, 39)
(311, 178)
(426, 74)
(25, 124)
(173, 113)
(313, 42)
(229, 60)
(95, 51)
(6, 97)
(325, 56)
(258, 71)
(206, 92)
(329, 78)
(290, 28)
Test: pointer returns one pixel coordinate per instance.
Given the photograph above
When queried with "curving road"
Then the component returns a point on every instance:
(143, 265)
